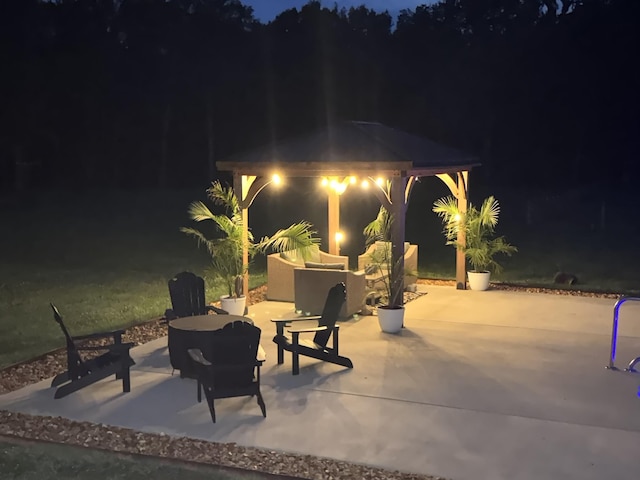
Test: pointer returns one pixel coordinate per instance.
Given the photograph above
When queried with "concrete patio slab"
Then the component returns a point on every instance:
(479, 385)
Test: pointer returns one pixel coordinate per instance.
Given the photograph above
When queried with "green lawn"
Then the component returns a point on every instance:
(42, 461)
(104, 258)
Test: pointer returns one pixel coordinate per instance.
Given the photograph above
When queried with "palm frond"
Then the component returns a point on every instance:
(223, 196)
(478, 227)
(379, 229)
(199, 212)
(489, 212)
(299, 236)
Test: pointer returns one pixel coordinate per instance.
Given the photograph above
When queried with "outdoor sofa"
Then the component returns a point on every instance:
(280, 267)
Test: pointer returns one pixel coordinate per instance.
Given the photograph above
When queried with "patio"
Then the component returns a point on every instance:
(480, 385)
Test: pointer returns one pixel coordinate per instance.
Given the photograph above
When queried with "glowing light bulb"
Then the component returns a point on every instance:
(364, 184)
(275, 178)
(379, 181)
(324, 182)
(340, 188)
(456, 217)
(352, 180)
(339, 237)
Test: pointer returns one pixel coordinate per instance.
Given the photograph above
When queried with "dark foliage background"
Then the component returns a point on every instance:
(150, 93)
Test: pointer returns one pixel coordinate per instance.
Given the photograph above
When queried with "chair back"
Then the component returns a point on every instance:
(234, 351)
(186, 290)
(58, 318)
(73, 356)
(333, 304)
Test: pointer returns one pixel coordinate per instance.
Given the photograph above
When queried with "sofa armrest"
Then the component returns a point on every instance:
(280, 278)
(365, 258)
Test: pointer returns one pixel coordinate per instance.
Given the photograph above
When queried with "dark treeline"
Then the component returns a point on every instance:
(126, 93)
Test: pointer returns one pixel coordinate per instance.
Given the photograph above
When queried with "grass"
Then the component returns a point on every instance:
(599, 264)
(35, 461)
(104, 258)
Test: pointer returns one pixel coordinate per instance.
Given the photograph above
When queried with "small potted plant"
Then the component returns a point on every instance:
(226, 249)
(391, 308)
(481, 245)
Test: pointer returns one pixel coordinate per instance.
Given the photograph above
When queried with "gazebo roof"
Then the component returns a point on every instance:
(349, 148)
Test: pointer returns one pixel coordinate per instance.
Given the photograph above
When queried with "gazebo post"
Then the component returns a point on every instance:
(333, 221)
(241, 185)
(398, 212)
(246, 189)
(461, 267)
(459, 187)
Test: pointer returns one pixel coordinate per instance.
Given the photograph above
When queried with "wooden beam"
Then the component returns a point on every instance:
(302, 169)
(450, 182)
(242, 187)
(328, 169)
(333, 221)
(461, 263)
(397, 193)
(411, 181)
(459, 187)
(255, 186)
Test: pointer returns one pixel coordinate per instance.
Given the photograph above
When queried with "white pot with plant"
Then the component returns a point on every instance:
(480, 243)
(226, 249)
(391, 307)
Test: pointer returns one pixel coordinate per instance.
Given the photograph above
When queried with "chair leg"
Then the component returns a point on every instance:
(263, 407)
(295, 356)
(280, 355)
(60, 379)
(199, 391)
(296, 362)
(126, 379)
(212, 408)
(280, 333)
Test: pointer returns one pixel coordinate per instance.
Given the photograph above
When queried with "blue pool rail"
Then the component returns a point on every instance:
(614, 335)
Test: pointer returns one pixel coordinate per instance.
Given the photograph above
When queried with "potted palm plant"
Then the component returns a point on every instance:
(481, 245)
(227, 247)
(391, 308)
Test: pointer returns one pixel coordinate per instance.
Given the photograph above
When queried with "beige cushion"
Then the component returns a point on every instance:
(330, 266)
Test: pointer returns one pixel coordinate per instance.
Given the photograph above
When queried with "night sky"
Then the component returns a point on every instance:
(267, 10)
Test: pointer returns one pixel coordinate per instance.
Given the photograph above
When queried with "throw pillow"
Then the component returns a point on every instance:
(370, 269)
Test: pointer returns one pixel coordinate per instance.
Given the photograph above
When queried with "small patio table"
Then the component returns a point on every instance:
(196, 332)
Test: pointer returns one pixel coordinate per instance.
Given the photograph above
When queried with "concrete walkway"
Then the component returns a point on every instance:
(478, 386)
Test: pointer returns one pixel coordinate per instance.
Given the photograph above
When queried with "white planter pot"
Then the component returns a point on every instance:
(390, 319)
(235, 306)
(479, 280)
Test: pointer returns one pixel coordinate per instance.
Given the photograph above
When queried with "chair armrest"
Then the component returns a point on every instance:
(196, 356)
(261, 356)
(219, 311)
(112, 346)
(295, 319)
(307, 330)
(115, 333)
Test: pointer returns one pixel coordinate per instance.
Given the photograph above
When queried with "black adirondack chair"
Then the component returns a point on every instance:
(316, 348)
(82, 372)
(186, 290)
(233, 369)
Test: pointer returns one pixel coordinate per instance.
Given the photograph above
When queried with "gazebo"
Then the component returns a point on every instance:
(389, 159)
